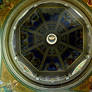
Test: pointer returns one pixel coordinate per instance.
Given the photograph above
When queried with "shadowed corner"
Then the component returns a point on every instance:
(1, 2)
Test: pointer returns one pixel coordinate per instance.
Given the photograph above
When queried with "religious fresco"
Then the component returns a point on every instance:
(7, 82)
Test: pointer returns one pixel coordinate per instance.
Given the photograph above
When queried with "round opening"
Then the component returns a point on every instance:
(51, 39)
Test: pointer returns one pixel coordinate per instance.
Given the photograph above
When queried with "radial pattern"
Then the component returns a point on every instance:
(51, 37)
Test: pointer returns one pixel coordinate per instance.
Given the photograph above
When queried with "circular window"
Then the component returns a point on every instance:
(49, 44)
